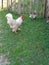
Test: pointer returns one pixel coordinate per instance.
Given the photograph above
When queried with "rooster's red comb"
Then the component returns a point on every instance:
(22, 17)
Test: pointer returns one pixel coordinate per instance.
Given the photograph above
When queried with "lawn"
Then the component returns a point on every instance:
(28, 47)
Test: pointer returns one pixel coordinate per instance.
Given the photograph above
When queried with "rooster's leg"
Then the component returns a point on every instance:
(19, 29)
(13, 30)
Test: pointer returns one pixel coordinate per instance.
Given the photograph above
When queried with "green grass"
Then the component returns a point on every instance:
(28, 47)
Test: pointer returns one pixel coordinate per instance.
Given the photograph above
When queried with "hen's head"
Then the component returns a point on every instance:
(22, 17)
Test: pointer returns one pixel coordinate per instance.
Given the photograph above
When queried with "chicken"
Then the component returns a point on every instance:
(14, 23)
(33, 15)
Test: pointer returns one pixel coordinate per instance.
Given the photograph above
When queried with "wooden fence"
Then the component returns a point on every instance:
(26, 6)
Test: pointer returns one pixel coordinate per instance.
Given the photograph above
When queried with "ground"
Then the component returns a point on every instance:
(28, 47)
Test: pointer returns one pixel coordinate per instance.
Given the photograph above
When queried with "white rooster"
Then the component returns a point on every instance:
(14, 23)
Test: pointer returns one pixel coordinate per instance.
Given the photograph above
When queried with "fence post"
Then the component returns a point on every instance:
(2, 4)
(30, 6)
(14, 5)
(19, 6)
(45, 10)
(47, 13)
(11, 4)
(7, 4)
